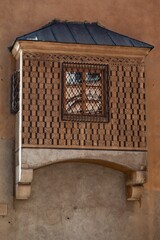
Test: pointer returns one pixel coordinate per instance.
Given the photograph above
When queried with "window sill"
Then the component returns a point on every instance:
(85, 118)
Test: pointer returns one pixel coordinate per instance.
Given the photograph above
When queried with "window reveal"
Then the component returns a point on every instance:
(84, 92)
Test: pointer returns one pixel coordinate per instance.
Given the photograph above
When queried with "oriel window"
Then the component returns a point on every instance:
(84, 94)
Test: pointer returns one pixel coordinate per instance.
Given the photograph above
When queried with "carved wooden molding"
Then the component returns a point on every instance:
(113, 61)
(64, 48)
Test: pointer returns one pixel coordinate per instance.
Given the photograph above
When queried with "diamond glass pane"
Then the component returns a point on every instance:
(94, 92)
(83, 90)
(73, 92)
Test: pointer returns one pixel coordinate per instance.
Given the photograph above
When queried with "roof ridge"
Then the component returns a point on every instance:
(56, 20)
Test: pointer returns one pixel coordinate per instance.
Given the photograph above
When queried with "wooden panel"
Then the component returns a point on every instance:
(42, 124)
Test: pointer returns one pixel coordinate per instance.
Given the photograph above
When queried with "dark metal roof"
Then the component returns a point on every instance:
(81, 33)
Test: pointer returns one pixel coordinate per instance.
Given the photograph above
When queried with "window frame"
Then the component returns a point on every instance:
(86, 117)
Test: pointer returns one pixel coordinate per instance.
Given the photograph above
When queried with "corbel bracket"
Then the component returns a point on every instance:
(23, 183)
(134, 184)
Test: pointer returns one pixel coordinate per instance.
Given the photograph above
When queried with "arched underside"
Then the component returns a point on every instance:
(120, 160)
(132, 163)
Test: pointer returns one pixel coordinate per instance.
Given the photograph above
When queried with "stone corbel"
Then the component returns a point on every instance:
(131, 163)
(134, 184)
(23, 183)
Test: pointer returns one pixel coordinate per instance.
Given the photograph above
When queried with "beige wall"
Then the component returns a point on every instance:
(138, 19)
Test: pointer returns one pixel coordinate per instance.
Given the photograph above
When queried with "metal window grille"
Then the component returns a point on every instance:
(84, 92)
(15, 92)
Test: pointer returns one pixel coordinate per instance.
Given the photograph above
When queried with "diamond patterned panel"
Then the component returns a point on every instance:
(42, 98)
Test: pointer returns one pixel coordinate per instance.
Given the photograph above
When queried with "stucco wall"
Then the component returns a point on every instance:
(92, 197)
(79, 201)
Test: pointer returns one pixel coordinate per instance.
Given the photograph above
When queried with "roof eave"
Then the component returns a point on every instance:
(82, 49)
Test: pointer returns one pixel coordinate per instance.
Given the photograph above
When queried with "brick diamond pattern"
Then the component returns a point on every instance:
(41, 118)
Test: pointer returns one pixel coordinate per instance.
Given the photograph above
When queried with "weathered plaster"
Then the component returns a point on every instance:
(81, 201)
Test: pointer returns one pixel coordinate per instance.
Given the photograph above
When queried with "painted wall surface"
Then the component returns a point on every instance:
(80, 201)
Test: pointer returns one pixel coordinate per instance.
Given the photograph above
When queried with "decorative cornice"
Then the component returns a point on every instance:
(125, 61)
(79, 49)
